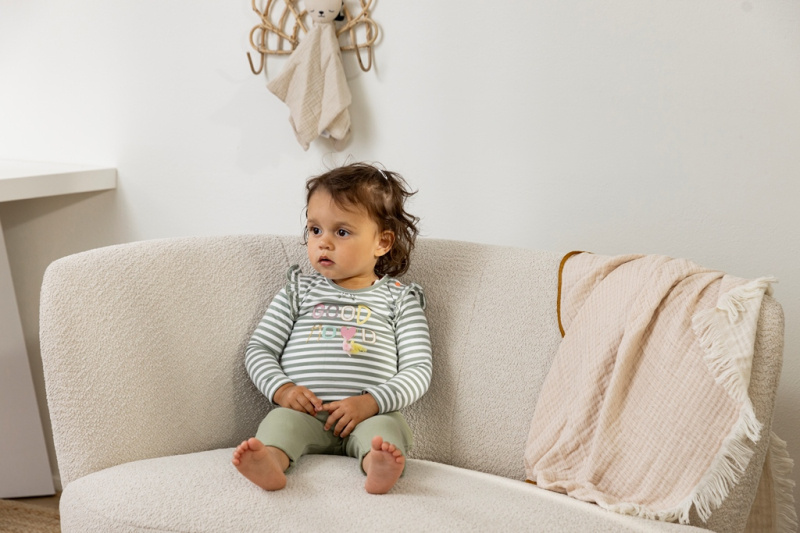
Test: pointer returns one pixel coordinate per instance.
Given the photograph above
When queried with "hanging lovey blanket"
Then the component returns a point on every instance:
(645, 410)
(314, 86)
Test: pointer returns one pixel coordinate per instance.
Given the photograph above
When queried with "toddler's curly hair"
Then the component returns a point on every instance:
(383, 194)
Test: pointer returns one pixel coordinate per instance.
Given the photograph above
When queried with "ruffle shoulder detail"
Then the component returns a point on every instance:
(293, 289)
(403, 293)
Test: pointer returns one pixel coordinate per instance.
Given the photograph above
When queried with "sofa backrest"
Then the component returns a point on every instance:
(143, 344)
(492, 314)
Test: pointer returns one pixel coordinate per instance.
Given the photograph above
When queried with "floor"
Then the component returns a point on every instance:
(46, 501)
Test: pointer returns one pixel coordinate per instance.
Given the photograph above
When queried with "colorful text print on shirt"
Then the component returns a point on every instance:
(346, 313)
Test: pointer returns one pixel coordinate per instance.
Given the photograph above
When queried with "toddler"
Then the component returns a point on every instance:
(340, 351)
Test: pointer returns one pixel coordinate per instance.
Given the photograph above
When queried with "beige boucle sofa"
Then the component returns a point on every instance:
(143, 344)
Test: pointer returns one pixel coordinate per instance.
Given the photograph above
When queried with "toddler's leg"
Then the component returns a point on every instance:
(381, 442)
(383, 464)
(263, 465)
(283, 437)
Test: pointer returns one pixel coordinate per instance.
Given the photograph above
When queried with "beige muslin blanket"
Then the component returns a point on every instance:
(314, 86)
(645, 410)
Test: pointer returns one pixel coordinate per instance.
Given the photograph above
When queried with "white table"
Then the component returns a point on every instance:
(24, 465)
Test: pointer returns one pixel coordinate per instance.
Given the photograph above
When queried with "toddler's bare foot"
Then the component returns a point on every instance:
(383, 464)
(262, 465)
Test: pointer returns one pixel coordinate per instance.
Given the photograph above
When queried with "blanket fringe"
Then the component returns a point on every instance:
(781, 465)
(709, 327)
(724, 473)
(733, 301)
(731, 461)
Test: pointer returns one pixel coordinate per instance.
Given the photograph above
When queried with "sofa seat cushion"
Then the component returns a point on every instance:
(203, 492)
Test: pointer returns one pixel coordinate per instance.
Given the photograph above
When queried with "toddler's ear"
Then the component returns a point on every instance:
(386, 243)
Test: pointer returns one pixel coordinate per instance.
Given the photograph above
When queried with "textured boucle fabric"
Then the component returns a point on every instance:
(144, 344)
(185, 494)
(494, 336)
(143, 352)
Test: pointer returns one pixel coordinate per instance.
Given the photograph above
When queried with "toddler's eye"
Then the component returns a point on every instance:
(314, 230)
(342, 233)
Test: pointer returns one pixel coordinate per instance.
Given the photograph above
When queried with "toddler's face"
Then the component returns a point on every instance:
(344, 244)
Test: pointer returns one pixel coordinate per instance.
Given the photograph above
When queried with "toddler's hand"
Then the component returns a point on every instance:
(348, 413)
(298, 398)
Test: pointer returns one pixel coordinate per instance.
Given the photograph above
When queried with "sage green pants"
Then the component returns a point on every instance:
(298, 434)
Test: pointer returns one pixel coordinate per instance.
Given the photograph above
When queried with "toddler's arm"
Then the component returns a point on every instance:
(414, 359)
(262, 356)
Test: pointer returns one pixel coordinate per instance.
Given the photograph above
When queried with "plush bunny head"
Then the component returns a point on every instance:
(322, 11)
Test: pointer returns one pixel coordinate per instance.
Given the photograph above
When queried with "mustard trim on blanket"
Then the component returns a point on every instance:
(558, 299)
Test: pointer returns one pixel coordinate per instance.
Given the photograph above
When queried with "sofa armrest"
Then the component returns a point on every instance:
(142, 346)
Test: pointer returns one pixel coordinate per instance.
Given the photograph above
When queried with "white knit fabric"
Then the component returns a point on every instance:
(203, 492)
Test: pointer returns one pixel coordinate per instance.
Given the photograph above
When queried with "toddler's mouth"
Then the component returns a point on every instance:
(324, 261)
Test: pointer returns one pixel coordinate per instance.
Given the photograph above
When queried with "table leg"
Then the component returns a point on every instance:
(24, 466)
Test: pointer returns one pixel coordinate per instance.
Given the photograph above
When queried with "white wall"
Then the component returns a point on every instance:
(666, 126)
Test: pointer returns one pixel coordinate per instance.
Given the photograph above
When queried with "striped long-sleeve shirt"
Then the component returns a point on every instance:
(340, 343)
